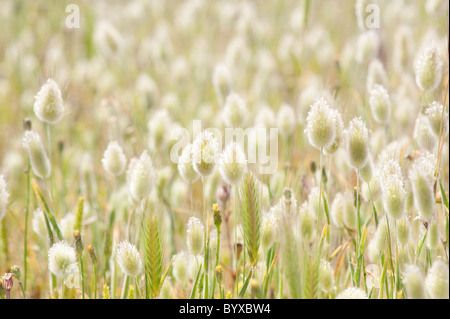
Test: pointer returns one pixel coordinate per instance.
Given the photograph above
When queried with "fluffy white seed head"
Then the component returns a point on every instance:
(140, 176)
(232, 164)
(428, 67)
(186, 165)
(436, 282)
(114, 160)
(423, 134)
(394, 196)
(421, 176)
(61, 258)
(129, 258)
(37, 154)
(158, 126)
(286, 120)
(352, 293)
(195, 236)
(321, 124)
(235, 111)
(268, 230)
(414, 282)
(48, 106)
(433, 235)
(357, 143)
(366, 171)
(434, 113)
(4, 195)
(372, 190)
(205, 151)
(380, 104)
(326, 276)
(339, 136)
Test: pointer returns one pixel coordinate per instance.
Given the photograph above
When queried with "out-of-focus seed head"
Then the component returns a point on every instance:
(436, 282)
(357, 143)
(286, 120)
(62, 257)
(423, 134)
(158, 125)
(313, 202)
(108, 39)
(403, 231)
(166, 289)
(321, 124)
(352, 293)
(48, 106)
(433, 235)
(180, 267)
(268, 230)
(337, 210)
(339, 136)
(140, 176)
(326, 276)
(421, 176)
(366, 172)
(235, 111)
(195, 236)
(37, 154)
(371, 190)
(66, 226)
(437, 115)
(403, 46)
(376, 74)
(307, 225)
(4, 195)
(232, 164)
(265, 118)
(195, 262)
(38, 223)
(380, 104)
(222, 81)
(114, 160)
(428, 67)
(185, 165)
(414, 282)
(367, 46)
(350, 213)
(381, 235)
(394, 196)
(205, 152)
(129, 258)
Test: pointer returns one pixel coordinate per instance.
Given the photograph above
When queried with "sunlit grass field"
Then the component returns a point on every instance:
(102, 197)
